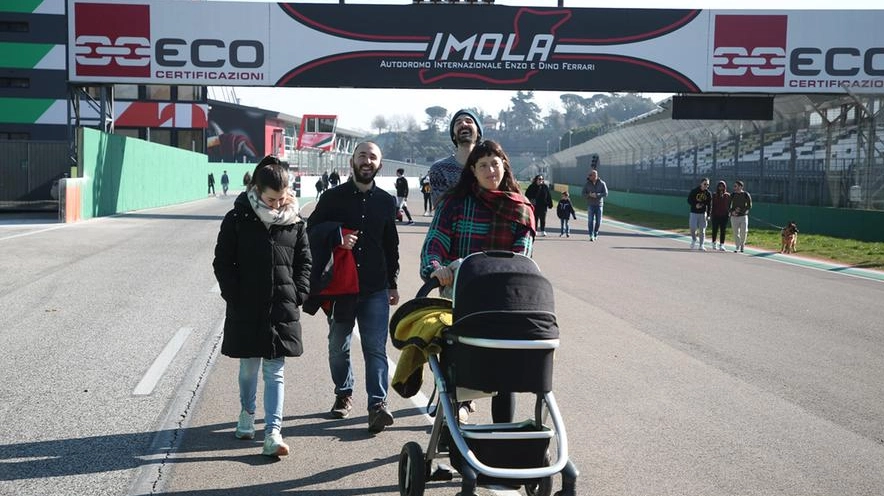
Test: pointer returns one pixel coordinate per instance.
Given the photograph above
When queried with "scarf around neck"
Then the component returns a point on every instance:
(507, 207)
(287, 215)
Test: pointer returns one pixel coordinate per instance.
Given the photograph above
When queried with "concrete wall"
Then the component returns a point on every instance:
(123, 174)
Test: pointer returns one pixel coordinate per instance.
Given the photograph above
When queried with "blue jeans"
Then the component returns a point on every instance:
(372, 315)
(274, 388)
(594, 219)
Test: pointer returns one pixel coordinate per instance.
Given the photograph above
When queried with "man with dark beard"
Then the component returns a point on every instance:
(353, 225)
(465, 131)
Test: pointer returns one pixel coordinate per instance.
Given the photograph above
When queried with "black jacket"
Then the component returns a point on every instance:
(373, 214)
(565, 209)
(700, 201)
(264, 276)
(401, 187)
(539, 196)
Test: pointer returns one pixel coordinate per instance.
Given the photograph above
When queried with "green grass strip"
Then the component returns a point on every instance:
(850, 252)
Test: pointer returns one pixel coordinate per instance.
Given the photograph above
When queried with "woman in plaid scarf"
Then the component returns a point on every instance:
(485, 210)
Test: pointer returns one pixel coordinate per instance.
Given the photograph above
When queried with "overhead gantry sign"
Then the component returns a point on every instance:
(475, 46)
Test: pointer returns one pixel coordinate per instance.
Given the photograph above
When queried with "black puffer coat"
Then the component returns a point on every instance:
(264, 277)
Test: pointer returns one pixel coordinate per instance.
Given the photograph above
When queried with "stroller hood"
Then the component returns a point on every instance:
(503, 290)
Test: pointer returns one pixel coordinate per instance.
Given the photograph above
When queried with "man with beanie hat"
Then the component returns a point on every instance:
(465, 130)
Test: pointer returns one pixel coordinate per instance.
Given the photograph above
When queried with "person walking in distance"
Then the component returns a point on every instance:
(334, 179)
(426, 191)
(465, 131)
(564, 212)
(594, 191)
(721, 203)
(211, 184)
(356, 220)
(225, 183)
(262, 264)
(700, 200)
(741, 203)
(402, 194)
(539, 196)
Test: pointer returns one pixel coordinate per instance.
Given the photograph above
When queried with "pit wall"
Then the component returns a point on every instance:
(862, 225)
(122, 174)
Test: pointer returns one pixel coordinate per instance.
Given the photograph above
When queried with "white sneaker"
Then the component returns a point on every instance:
(543, 233)
(274, 445)
(714, 246)
(693, 244)
(721, 247)
(245, 428)
(464, 410)
(701, 248)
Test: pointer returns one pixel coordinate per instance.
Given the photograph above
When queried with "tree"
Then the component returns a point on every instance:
(524, 114)
(575, 110)
(436, 117)
(555, 121)
(380, 123)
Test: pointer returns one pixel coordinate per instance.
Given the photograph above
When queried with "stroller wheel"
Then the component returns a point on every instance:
(413, 469)
(543, 487)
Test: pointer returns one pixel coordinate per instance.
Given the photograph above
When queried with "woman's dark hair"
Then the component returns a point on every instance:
(485, 148)
(270, 173)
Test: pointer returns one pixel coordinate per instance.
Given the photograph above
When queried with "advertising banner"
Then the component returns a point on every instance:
(234, 134)
(475, 46)
(169, 42)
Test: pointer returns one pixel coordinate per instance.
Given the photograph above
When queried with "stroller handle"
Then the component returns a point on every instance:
(428, 286)
(433, 283)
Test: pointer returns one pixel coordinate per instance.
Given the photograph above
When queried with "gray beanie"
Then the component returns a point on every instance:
(464, 112)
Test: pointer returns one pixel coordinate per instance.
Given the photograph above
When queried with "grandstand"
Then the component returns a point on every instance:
(819, 150)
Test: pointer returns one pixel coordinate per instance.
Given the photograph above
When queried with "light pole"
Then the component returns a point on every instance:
(569, 138)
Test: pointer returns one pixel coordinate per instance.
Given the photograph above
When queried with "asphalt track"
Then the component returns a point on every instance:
(679, 373)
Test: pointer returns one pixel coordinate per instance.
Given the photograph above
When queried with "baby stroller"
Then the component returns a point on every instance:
(502, 338)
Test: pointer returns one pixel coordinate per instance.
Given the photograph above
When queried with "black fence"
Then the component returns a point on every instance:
(28, 171)
(807, 182)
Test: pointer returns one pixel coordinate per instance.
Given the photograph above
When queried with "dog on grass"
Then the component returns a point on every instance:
(789, 236)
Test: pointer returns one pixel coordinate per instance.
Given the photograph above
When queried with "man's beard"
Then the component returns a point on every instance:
(465, 139)
(361, 177)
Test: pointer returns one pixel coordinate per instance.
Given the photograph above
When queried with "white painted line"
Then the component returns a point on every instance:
(29, 233)
(150, 379)
(216, 288)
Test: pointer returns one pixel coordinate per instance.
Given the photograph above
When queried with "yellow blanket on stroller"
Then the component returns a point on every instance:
(419, 331)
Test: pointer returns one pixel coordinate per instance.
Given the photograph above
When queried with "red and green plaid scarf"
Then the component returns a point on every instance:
(507, 208)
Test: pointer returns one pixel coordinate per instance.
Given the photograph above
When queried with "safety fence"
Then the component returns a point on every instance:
(818, 150)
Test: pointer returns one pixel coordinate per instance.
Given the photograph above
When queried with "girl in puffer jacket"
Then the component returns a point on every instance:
(262, 263)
